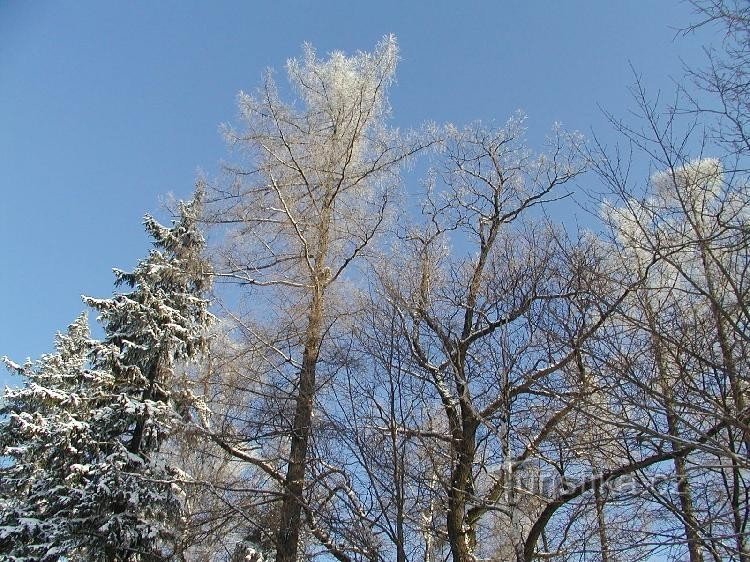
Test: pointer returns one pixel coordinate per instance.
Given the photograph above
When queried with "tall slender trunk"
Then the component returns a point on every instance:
(287, 538)
(686, 496)
(738, 498)
(397, 458)
(738, 507)
(400, 519)
(428, 517)
(684, 491)
(601, 523)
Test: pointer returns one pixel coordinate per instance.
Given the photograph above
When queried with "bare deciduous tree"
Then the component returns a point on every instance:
(318, 189)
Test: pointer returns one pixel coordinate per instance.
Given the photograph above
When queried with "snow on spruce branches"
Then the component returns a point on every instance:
(84, 475)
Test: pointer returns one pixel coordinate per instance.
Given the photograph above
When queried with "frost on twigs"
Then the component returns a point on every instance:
(320, 173)
(697, 182)
(340, 83)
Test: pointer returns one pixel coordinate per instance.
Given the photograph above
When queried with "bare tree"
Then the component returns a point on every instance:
(490, 347)
(722, 93)
(492, 323)
(690, 224)
(319, 187)
(690, 315)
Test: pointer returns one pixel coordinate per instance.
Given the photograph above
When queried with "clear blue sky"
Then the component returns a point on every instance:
(105, 107)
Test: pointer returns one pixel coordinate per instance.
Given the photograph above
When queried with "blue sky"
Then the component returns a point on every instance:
(106, 107)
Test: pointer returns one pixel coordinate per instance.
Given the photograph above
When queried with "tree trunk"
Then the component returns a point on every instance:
(601, 523)
(461, 488)
(683, 484)
(287, 538)
(686, 501)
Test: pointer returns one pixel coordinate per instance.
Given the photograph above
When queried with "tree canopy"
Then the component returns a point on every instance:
(402, 369)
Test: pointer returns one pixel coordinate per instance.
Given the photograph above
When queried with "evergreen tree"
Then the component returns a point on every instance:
(115, 495)
(46, 444)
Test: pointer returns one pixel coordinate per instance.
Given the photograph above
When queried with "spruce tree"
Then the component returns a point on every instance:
(46, 445)
(115, 494)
